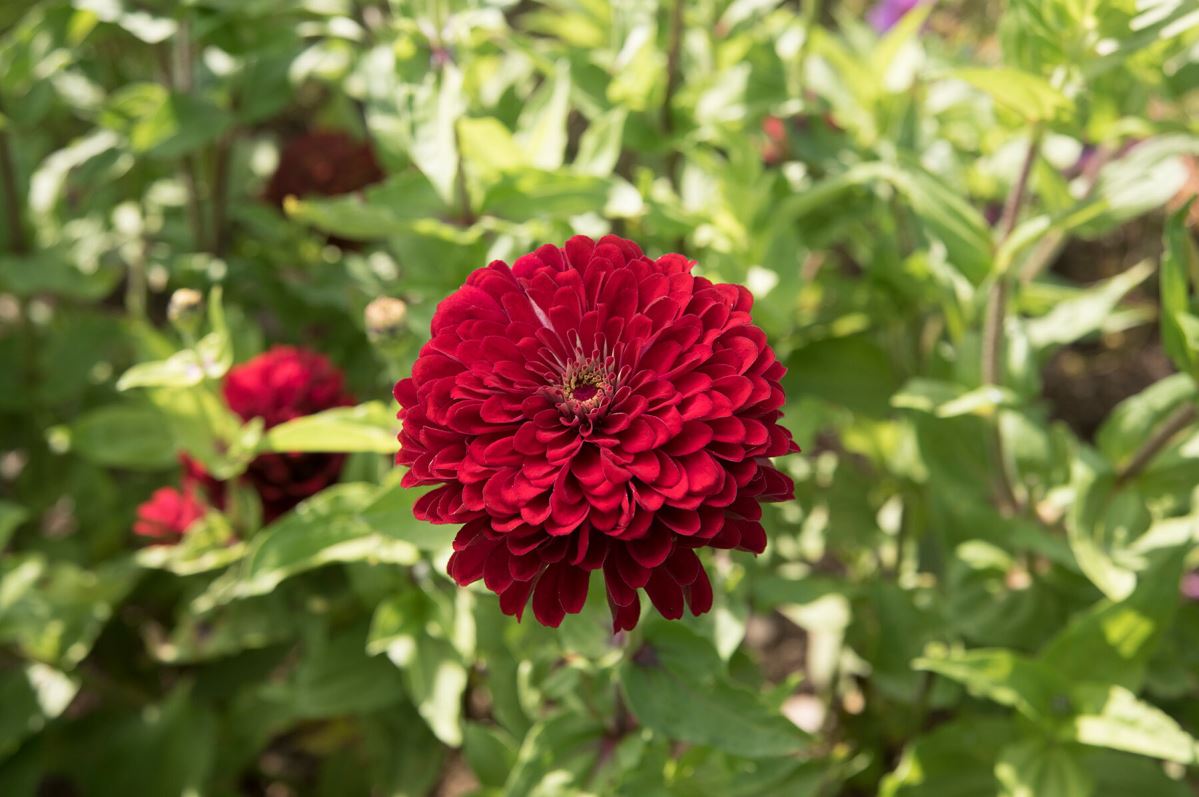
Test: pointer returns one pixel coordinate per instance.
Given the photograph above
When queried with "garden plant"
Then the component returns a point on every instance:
(745, 398)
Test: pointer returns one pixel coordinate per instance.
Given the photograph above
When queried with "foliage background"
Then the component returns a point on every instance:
(954, 231)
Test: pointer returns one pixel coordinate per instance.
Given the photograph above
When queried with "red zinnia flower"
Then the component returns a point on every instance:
(168, 515)
(277, 386)
(592, 408)
(322, 163)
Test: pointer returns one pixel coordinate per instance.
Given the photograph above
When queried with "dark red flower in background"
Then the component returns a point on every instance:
(278, 385)
(590, 408)
(322, 163)
(167, 515)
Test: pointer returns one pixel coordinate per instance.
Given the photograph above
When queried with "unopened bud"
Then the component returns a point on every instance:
(185, 309)
(385, 317)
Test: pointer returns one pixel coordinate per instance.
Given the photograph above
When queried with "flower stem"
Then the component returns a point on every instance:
(673, 79)
(993, 323)
(12, 198)
(1181, 419)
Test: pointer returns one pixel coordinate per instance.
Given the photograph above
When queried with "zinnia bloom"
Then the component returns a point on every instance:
(322, 163)
(167, 515)
(589, 408)
(279, 385)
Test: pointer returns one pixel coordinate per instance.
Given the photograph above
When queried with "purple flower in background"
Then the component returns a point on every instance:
(887, 13)
(1190, 586)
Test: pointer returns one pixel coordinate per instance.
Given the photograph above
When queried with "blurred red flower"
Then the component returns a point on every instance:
(167, 515)
(590, 408)
(322, 163)
(278, 385)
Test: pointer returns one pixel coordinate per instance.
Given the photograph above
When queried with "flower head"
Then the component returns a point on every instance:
(589, 408)
(322, 163)
(168, 515)
(280, 385)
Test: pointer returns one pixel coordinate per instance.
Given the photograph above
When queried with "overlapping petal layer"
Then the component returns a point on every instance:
(589, 408)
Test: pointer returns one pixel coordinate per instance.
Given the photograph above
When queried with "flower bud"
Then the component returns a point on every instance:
(385, 317)
(185, 308)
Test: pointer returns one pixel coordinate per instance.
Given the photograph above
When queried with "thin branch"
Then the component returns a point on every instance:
(1181, 419)
(12, 197)
(674, 77)
(220, 195)
(1051, 246)
(179, 75)
(993, 323)
(1015, 200)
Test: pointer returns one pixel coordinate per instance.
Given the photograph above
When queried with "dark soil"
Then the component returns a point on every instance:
(1083, 382)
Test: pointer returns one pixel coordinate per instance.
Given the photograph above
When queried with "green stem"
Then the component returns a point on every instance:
(993, 324)
(1181, 419)
(13, 201)
(674, 53)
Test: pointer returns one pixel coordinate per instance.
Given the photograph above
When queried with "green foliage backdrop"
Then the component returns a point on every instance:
(968, 238)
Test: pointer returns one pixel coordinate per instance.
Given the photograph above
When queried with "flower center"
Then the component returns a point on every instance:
(584, 386)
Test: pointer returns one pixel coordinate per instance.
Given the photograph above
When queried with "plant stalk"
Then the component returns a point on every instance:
(993, 323)
(1181, 419)
(17, 243)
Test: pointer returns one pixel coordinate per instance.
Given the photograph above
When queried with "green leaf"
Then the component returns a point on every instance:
(11, 517)
(851, 371)
(369, 427)
(489, 147)
(390, 514)
(599, 147)
(147, 27)
(31, 695)
(226, 631)
(1114, 718)
(162, 124)
(541, 129)
(208, 545)
(1101, 525)
(1180, 267)
(947, 216)
(1004, 677)
(532, 194)
(491, 753)
(53, 611)
(1029, 96)
(1133, 420)
(957, 758)
(133, 435)
(379, 211)
(560, 749)
(434, 673)
(322, 530)
(436, 104)
(336, 676)
(684, 699)
(1143, 180)
(948, 400)
(1075, 318)
(1112, 643)
(178, 734)
(1036, 767)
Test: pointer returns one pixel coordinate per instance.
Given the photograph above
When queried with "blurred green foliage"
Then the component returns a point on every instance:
(977, 589)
